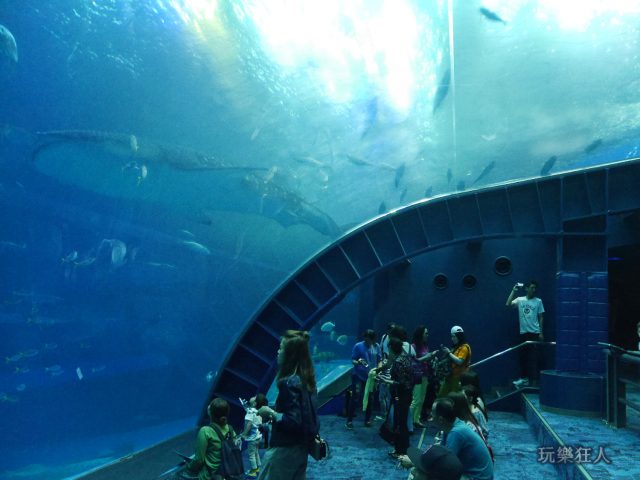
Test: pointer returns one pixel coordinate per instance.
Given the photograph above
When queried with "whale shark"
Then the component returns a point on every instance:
(184, 180)
(120, 144)
(286, 207)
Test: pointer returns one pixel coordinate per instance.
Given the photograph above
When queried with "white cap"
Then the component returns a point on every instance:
(456, 329)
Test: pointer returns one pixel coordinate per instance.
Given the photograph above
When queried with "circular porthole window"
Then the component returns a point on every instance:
(440, 281)
(503, 265)
(469, 281)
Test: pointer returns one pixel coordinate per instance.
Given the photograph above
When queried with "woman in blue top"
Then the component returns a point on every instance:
(294, 419)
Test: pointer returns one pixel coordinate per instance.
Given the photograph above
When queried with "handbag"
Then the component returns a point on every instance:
(319, 448)
(387, 433)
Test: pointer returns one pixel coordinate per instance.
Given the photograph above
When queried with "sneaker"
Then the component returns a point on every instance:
(521, 382)
(349, 425)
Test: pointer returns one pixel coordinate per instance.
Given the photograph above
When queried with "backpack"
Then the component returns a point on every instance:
(440, 366)
(231, 466)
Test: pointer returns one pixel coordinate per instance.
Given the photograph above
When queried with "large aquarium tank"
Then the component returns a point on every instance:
(166, 164)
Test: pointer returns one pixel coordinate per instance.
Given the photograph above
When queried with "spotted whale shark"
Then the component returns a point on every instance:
(120, 144)
(190, 182)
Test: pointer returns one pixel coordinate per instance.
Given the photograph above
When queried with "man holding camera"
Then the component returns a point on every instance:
(531, 317)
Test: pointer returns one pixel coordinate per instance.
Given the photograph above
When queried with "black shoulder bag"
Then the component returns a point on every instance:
(317, 446)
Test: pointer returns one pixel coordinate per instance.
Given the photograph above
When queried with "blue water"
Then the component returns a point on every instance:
(131, 255)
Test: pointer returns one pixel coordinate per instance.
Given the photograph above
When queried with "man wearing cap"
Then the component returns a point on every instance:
(460, 443)
(460, 358)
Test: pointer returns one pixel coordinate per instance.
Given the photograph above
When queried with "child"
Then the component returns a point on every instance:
(251, 433)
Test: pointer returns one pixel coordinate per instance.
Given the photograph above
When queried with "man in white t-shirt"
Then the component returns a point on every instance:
(531, 318)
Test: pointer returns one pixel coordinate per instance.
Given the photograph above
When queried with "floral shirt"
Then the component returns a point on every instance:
(401, 372)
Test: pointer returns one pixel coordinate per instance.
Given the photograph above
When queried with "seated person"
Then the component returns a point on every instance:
(208, 454)
(436, 463)
(462, 441)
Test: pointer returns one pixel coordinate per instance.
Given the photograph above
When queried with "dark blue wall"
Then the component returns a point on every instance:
(490, 326)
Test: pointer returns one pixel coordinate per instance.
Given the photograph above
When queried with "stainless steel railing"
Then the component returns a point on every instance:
(510, 349)
(617, 381)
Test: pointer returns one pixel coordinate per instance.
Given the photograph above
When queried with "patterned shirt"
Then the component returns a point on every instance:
(401, 372)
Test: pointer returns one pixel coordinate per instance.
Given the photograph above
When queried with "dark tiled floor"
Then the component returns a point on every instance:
(360, 454)
(619, 445)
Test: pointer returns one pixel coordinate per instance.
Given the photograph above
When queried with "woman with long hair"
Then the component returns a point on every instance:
(401, 383)
(421, 352)
(295, 418)
(208, 455)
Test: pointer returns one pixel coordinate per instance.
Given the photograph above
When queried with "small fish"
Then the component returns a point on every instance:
(309, 160)
(32, 352)
(428, 192)
(144, 171)
(382, 208)
(8, 45)
(371, 114)
(162, 265)
(342, 340)
(187, 233)
(97, 369)
(21, 387)
(50, 346)
(327, 327)
(8, 398)
(196, 247)
(210, 376)
(485, 172)
(548, 165)
(21, 370)
(593, 145)
(490, 15)
(403, 194)
(358, 161)
(133, 143)
(14, 358)
(442, 90)
(255, 133)
(79, 373)
(270, 174)
(489, 138)
(21, 246)
(399, 174)
(71, 257)
(54, 369)
(460, 186)
(332, 335)
(449, 176)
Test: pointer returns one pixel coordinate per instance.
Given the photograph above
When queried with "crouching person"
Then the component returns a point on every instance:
(217, 450)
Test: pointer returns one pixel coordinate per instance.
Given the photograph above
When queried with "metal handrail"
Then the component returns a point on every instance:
(617, 401)
(510, 349)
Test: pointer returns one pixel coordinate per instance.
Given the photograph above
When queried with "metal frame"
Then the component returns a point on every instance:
(571, 205)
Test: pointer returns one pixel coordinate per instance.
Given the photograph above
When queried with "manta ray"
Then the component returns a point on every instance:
(120, 144)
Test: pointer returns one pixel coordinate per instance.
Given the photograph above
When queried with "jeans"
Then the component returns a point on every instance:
(354, 397)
